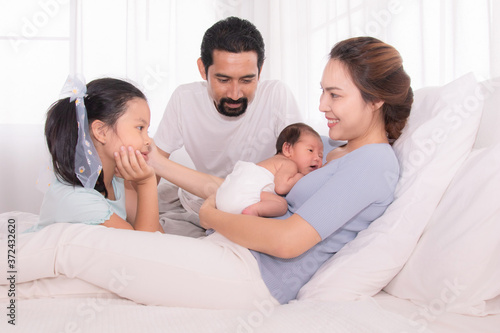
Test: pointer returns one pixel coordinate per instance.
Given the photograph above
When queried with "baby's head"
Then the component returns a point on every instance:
(303, 145)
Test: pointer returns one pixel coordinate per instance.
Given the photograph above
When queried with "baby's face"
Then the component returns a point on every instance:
(307, 153)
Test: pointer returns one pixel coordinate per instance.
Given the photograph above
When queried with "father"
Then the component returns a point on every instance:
(229, 116)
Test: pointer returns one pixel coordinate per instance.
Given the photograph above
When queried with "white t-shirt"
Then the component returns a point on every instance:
(215, 142)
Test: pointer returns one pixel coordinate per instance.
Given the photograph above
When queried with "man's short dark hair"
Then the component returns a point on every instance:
(234, 35)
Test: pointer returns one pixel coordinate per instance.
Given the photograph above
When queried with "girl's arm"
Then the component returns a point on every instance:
(286, 176)
(198, 183)
(117, 222)
(287, 238)
(132, 167)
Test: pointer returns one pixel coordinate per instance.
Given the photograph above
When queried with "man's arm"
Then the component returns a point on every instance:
(166, 155)
(198, 183)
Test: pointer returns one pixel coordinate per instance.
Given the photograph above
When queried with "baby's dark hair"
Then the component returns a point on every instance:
(291, 134)
(106, 100)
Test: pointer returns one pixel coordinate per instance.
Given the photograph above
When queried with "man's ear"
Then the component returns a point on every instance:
(99, 131)
(201, 68)
(286, 149)
(260, 71)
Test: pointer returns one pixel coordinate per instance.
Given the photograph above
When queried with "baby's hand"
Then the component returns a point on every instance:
(250, 210)
(131, 165)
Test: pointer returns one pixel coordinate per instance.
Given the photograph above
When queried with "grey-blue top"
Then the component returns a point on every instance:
(338, 200)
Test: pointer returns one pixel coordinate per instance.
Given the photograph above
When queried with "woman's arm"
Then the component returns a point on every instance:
(287, 238)
(198, 183)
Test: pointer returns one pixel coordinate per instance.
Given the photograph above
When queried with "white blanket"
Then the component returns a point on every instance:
(47, 306)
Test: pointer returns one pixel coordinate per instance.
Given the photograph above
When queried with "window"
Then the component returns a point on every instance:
(35, 44)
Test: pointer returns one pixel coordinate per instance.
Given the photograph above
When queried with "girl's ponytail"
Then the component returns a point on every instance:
(61, 134)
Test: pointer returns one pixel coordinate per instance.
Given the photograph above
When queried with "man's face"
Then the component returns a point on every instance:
(232, 81)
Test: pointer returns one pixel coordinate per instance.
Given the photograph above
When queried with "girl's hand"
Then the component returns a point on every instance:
(207, 206)
(131, 165)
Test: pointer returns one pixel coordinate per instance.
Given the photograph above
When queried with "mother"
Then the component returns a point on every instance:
(366, 98)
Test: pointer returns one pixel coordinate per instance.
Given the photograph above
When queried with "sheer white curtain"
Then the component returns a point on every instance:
(439, 40)
(155, 43)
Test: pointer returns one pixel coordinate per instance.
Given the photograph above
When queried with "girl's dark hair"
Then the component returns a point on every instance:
(106, 100)
(376, 69)
(291, 134)
(234, 35)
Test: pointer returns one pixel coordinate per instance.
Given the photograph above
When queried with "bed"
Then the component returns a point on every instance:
(429, 264)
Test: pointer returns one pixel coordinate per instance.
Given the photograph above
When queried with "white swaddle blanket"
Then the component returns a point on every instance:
(243, 186)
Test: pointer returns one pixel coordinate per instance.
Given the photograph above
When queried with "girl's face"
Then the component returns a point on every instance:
(131, 129)
(349, 117)
(307, 153)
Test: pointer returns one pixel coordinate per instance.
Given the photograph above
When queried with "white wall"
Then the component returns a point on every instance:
(23, 149)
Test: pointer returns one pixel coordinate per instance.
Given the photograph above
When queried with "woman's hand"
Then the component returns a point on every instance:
(130, 165)
(205, 211)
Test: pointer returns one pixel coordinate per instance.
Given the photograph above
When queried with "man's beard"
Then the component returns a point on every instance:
(230, 112)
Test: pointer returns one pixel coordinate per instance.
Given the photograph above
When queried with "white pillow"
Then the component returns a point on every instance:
(455, 266)
(490, 121)
(439, 135)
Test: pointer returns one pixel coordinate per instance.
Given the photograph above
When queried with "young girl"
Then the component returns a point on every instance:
(258, 189)
(83, 132)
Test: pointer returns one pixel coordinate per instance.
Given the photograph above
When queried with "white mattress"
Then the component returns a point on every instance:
(119, 315)
(383, 313)
(437, 320)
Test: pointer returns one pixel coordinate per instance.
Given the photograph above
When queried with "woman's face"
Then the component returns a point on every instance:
(349, 117)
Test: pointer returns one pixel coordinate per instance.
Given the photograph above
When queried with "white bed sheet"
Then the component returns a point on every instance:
(119, 315)
(97, 310)
(383, 313)
(436, 319)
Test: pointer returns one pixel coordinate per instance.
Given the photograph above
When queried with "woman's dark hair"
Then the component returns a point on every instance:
(291, 134)
(376, 69)
(233, 35)
(106, 100)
